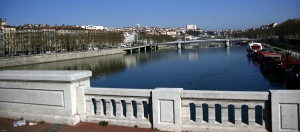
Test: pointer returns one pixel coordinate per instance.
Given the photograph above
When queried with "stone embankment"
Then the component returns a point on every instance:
(42, 58)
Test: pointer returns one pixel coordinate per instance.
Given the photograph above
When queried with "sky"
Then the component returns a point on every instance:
(206, 14)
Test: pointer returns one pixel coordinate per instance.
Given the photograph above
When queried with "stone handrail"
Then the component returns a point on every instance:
(218, 102)
(65, 97)
(124, 107)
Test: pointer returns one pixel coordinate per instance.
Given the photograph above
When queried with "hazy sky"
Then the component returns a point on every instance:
(206, 14)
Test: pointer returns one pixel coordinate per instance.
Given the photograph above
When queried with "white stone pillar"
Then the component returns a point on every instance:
(211, 113)
(99, 105)
(224, 111)
(119, 109)
(199, 114)
(185, 111)
(237, 115)
(167, 109)
(109, 108)
(251, 116)
(140, 110)
(179, 45)
(129, 110)
(285, 110)
(90, 107)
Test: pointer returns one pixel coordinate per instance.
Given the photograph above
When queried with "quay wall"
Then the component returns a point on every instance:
(65, 97)
(42, 58)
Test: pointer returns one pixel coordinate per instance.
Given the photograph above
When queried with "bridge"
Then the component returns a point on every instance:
(180, 44)
(66, 97)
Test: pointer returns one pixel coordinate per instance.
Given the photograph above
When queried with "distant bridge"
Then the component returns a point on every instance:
(205, 40)
(227, 42)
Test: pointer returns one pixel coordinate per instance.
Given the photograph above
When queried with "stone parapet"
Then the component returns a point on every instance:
(65, 97)
(49, 96)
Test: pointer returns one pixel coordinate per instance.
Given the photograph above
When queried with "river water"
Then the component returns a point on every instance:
(204, 66)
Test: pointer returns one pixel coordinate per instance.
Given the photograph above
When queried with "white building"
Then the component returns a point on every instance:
(172, 33)
(138, 26)
(92, 27)
(129, 38)
(191, 27)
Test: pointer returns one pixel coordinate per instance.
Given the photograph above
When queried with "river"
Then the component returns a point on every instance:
(204, 66)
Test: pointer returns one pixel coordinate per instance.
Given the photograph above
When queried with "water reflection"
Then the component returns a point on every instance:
(193, 56)
(103, 65)
(197, 68)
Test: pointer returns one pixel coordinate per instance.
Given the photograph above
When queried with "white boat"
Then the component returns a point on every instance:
(254, 47)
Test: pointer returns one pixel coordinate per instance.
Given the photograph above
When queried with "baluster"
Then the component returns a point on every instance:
(140, 110)
(119, 109)
(109, 109)
(99, 111)
(251, 115)
(211, 113)
(224, 116)
(185, 111)
(199, 113)
(89, 107)
(129, 110)
(237, 114)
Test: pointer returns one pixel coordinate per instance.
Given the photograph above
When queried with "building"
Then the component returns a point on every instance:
(191, 27)
(129, 38)
(171, 33)
(138, 26)
(7, 38)
(2, 22)
(92, 27)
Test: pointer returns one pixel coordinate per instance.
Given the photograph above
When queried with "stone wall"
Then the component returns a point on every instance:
(42, 58)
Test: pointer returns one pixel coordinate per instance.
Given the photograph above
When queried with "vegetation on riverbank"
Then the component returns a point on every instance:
(286, 35)
(289, 29)
(285, 46)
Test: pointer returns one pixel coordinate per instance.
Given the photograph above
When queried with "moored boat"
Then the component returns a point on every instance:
(271, 63)
(254, 48)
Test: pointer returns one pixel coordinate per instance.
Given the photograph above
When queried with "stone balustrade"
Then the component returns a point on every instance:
(247, 110)
(65, 97)
(126, 107)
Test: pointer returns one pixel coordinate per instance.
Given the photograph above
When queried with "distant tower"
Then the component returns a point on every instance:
(138, 26)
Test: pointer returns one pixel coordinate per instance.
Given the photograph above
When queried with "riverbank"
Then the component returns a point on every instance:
(283, 49)
(43, 58)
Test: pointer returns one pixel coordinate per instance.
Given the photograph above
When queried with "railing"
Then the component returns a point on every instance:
(65, 97)
(233, 110)
(201, 110)
(126, 107)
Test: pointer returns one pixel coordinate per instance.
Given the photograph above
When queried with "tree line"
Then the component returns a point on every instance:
(38, 41)
(284, 32)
